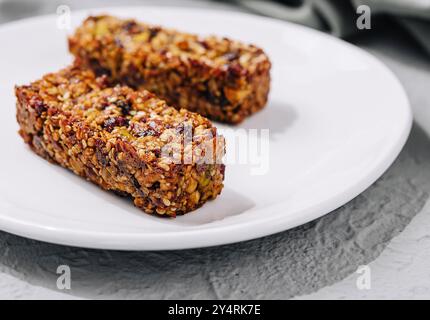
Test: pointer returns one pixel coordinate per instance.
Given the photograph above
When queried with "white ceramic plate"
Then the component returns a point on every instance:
(337, 118)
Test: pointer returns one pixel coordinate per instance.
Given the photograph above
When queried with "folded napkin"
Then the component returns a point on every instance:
(339, 16)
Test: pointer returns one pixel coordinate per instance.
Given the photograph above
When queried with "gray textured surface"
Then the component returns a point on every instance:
(291, 263)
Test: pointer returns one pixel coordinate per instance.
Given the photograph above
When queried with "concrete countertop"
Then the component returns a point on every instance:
(385, 228)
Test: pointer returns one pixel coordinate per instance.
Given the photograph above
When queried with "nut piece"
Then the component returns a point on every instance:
(195, 197)
(192, 185)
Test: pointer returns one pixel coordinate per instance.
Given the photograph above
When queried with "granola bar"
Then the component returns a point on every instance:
(221, 79)
(117, 138)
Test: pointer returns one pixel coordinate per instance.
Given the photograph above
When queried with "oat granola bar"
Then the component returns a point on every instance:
(117, 138)
(221, 79)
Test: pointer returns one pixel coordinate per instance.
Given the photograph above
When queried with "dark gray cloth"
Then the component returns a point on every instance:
(339, 17)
